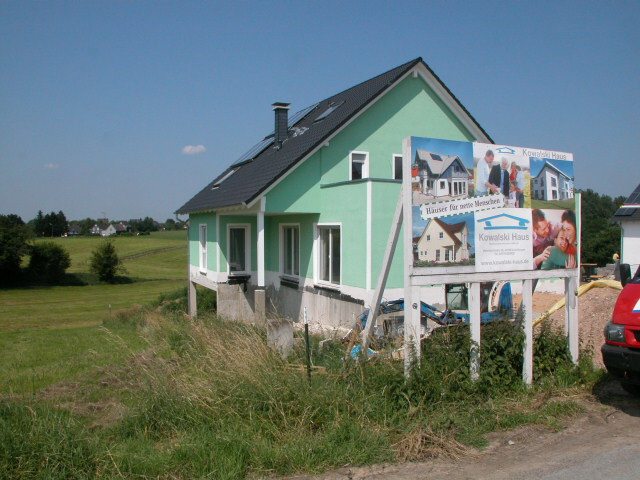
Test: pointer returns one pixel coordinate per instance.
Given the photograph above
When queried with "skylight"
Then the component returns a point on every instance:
(327, 112)
(222, 179)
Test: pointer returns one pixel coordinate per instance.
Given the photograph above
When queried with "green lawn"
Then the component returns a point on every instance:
(554, 204)
(51, 333)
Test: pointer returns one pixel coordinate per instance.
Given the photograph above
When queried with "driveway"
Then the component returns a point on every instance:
(601, 444)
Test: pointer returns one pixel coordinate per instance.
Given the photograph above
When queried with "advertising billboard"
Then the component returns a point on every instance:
(479, 207)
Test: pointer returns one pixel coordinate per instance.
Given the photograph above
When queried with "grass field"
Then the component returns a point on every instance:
(53, 333)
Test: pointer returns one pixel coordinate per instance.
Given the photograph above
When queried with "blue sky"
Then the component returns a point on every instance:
(99, 99)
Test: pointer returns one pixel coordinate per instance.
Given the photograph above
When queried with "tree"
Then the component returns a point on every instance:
(600, 234)
(105, 262)
(170, 224)
(49, 262)
(13, 245)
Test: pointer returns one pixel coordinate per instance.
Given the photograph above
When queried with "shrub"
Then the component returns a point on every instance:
(105, 262)
(48, 262)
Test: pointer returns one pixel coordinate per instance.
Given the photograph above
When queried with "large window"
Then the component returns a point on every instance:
(202, 247)
(329, 254)
(397, 167)
(290, 253)
(238, 249)
(358, 165)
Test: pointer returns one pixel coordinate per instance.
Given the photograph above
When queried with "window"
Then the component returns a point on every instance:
(202, 248)
(440, 235)
(554, 194)
(290, 259)
(428, 237)
(443, 184)
(329, 254)
(238, 248)
(358, 166)
(397, 167)
(554, 182)
(446, 254)
(438, 255)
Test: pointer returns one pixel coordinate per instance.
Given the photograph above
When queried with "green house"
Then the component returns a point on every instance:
(300, 222)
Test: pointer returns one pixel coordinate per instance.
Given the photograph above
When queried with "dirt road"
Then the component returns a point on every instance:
(603, 443)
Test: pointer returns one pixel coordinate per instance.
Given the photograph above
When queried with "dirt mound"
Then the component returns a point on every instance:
(594, 311)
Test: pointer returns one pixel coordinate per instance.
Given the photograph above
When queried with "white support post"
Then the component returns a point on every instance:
(193, 302)
(412, 329)
(261, 244)
(396, 225)
(527, 307)
(572, 318)
(474, 320)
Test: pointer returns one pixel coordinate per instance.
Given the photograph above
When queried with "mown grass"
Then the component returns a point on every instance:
(51, 333)
(210, 399)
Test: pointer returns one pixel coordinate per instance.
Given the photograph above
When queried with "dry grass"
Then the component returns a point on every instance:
(423, 443)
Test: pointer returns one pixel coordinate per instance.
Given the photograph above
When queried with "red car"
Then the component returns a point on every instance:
(621, 351)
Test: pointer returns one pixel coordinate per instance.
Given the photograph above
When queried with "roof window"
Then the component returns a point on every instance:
(224, 177)
(328, 111)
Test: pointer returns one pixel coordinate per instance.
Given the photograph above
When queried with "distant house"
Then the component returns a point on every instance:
(96, 230)
(552, 184)
(74, 230)
(440, 175)
(110, 230)
(121, 227)
(628, 215)
(442, 242)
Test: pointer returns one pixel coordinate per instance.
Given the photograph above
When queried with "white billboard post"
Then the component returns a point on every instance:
(475, 213)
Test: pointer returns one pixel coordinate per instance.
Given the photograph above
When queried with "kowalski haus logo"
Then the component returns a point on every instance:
(504, 221)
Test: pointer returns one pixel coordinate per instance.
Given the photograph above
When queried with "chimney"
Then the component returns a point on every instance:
(282, 122)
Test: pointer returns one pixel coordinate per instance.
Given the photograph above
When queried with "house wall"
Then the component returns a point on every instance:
(631, 243)
(410, 109)
(548, 188)
(436, 243)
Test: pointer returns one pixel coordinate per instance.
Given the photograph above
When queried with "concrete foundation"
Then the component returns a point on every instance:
(280, 336)
(326, 307)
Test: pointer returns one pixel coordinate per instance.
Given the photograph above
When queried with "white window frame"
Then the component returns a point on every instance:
(316, 254)
(283, 226)
(202, 248)
(365, 165)
(247, 248)
(393, 165)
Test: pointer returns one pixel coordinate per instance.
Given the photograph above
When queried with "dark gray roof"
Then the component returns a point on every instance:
(255, 172)
(629, 213)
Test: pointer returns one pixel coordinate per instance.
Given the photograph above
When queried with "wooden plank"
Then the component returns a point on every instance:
(418, 278)
(572, 321)
(527, 304)
(474, 317)
(193, 303)
(392, 241)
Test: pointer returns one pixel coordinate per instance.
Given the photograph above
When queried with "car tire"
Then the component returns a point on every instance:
(631, 388)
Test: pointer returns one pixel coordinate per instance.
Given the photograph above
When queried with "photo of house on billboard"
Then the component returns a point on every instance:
(551, 182)
(489, 208)
(440, 170)
(442, 241)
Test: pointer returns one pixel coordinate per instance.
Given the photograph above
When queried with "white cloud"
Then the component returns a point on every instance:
(193, 149)
(51, 166)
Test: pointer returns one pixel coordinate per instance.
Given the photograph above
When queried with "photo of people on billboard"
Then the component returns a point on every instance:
(501, 169)
(554, 239)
